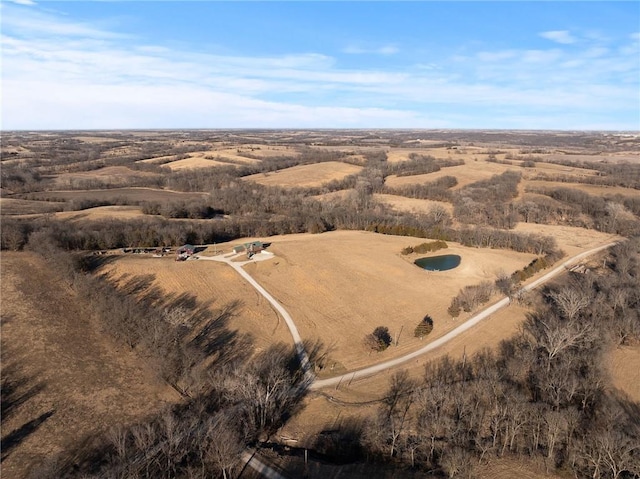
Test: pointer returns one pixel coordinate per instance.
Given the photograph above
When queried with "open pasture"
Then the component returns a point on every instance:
(339, 286)
(466, 174)
(211, 283)
(595, 190)
(624, 367)
(109, 175)
(69, 378)
(302, 176)
(411, 205)
(570, 239)
(480, 169)
(101, 213)
(14, 206)
(132, 195)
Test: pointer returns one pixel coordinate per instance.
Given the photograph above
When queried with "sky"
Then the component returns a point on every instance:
(415, 64)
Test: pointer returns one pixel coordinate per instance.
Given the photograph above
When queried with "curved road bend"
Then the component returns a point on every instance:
(304, 358)
(457, 331)
(297, 340)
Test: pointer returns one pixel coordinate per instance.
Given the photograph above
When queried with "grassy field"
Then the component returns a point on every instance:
(73, 380)
(210, 282)
(13, 206)
(133, 195)
(305, 175)
(339, 286)
(595, 190)
(411, 205)
(624, 367)
(480, 169)
(109, 175)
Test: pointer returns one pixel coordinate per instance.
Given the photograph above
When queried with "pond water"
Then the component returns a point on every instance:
(439, 263)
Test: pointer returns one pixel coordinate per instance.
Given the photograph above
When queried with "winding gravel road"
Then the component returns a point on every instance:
(304, 358)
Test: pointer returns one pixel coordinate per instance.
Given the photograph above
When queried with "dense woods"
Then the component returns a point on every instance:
(543, 394)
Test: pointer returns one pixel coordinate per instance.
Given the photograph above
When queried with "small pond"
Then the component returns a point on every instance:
(439, 263)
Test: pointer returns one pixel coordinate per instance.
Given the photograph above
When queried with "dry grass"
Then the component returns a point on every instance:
(476, 166)
(595, 190)
(211, 282)
(306, 175)
(339, 286)
(468, 173)
(192, 163)
(12, 206)
(262, 151)
(571, 239)
(101, 213)
(127, 194)
(108, 174)
(624, 367)
(411, 205)
(87, 382)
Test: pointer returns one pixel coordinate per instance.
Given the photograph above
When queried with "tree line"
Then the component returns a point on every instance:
(231, 397)
(543, 394)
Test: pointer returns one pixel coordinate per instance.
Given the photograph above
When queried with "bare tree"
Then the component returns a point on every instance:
(570, 300)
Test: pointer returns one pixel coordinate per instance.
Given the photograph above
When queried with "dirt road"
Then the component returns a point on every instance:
(322, 383)
(237, 265)
(302, 354)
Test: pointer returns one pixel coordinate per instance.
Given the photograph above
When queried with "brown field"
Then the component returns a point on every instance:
(201, 159)
(98, 213)
(306, 175)
(320, 412)
(479, 169)
(624, 367)
(339, 286)
(210, 282)
(192, 163)
(109, 175)
(596, 190)
(77, 382)
(127, 194)
(12, 206)
(569, 238)
(468, 173)
(411, 205)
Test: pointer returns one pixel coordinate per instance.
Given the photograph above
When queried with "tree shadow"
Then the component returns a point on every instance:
(14, 438)
(16, 387)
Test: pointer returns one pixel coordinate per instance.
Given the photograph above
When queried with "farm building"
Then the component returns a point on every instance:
(184, 252)
(251, 248)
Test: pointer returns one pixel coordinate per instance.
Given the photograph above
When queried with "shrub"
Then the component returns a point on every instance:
(424, 327)
(454, 308)
(379, 340)
(425, 247)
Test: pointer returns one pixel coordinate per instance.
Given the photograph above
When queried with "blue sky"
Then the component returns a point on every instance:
(159, 64)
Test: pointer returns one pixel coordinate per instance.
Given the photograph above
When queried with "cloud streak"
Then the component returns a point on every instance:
(559, 36)
(61, 74)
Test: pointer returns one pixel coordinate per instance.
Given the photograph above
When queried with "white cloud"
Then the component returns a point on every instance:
(23, 2)
(559, 36)
(384, 50)
(77, 75)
